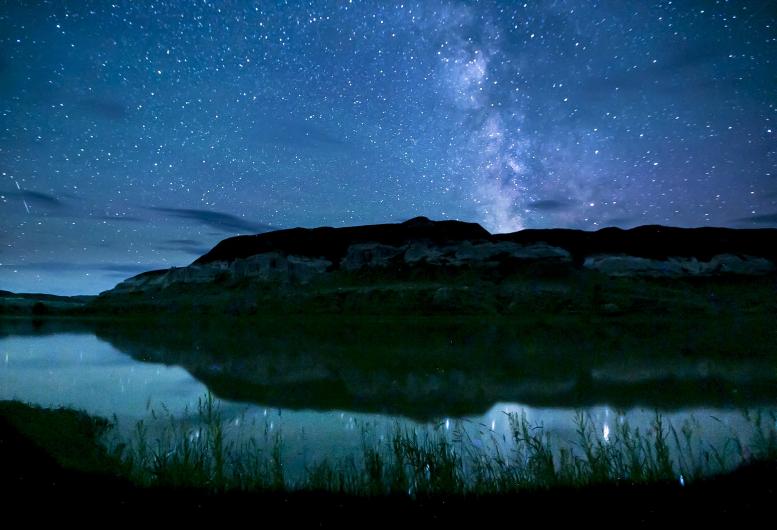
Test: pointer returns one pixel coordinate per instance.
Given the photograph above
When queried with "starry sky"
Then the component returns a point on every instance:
(137, 134)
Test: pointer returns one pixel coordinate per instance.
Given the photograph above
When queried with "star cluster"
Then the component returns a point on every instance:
(136, 135)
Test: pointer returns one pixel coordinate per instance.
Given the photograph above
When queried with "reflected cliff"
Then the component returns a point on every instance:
(433, 367)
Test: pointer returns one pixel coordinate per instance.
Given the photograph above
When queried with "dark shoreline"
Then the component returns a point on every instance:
(35, 480)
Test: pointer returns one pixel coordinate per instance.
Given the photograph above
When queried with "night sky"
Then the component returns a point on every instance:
(135, 135)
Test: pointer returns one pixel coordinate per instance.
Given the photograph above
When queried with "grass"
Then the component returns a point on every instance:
(408, 476)
(469, 292)
(71, 438)
(200, 454)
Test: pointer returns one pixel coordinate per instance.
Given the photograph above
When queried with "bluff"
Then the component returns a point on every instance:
(451, 263)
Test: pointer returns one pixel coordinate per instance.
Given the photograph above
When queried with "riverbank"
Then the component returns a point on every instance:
(55, 459)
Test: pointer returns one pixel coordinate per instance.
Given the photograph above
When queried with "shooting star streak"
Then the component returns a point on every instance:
(26, 206)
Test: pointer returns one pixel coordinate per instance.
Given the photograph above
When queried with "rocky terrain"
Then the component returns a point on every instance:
(451, 266)
(424, 266)
(300, 255)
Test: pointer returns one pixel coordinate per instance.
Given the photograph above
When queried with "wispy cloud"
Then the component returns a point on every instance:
(218, 220)
(765, 219)
(620, 222)
(33, 197)
(550, 205)
(296, 134)
(121, 218)
(67, 266)
(189, 246)
(107, 108)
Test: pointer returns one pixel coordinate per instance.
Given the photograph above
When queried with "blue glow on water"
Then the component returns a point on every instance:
(79, 370)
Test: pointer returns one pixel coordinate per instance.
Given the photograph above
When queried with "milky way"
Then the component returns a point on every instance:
(135, 135)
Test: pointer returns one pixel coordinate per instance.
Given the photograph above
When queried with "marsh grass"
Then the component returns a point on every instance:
(196, 452)
(199, 453)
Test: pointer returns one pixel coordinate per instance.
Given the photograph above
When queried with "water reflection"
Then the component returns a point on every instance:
(324, 393)
(81, 371)
(459, 367)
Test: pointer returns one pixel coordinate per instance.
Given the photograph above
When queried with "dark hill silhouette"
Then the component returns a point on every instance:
(650, 241)
(655, 241)
(332, 243)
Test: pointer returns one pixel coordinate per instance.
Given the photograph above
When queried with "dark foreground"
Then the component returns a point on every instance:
(51, 466)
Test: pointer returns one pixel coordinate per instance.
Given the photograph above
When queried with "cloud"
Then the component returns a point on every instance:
(181, 242)
(122, 218)
(33, 197)
(765, 219)
(130, 268)
(295, 133)
(75, 207)
(683, 70)
(550, 205)
(107, 108)
(690, 57)
(189, 246)
(66, 266)
(221, 221)
(619, 221)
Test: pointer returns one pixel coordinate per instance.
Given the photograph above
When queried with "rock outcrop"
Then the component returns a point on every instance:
(677, 267)
(299, 255)
(266, 266)
(333, 243)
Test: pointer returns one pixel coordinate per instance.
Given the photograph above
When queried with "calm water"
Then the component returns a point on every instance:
(81, 370)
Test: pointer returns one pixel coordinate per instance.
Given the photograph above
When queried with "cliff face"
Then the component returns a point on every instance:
(300, 255)
(276, 266)
(267, 266)
(333, 243)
